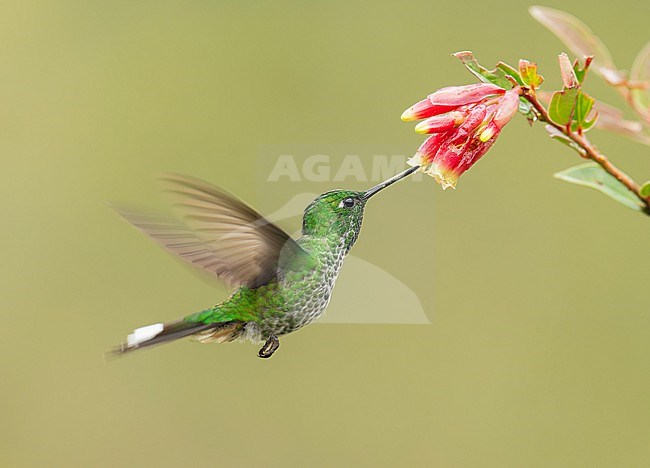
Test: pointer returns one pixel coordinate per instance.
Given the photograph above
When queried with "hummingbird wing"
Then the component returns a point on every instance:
(176, 238)
(221, 234)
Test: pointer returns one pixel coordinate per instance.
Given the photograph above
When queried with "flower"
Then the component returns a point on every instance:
(446, 99)
(464, 121)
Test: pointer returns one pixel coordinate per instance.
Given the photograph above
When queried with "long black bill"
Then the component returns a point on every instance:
(370, 192)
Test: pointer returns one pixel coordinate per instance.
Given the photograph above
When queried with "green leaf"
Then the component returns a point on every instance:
(562, 138)
(528, 72)
(586, 125)
(562, 104)
(592, 175)
(645, 190)
(582, 72)
(511, 71)
(526, 108)
(583, 107)
(496, 76)
(584, 104)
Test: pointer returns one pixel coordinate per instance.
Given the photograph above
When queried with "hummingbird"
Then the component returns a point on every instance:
(280, 284)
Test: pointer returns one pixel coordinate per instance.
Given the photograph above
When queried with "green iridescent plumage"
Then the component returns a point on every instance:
(281, 284)
(300, 290)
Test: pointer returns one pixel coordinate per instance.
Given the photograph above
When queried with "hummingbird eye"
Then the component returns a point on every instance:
(348, 202)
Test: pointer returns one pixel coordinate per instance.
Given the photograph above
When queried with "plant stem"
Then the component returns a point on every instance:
(590, 151)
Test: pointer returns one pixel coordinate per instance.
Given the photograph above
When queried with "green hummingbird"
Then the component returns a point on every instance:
(280, 284)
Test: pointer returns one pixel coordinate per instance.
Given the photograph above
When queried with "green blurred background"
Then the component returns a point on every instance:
(539, 349)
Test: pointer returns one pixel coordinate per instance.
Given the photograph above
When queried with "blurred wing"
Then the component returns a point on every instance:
(221, 235)
(179, 240)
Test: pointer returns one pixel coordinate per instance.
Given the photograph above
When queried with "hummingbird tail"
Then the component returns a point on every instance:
(159, 333)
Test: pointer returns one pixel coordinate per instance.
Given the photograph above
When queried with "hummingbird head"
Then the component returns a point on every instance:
(339, 213)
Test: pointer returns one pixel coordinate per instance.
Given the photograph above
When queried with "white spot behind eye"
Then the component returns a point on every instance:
(342, 203)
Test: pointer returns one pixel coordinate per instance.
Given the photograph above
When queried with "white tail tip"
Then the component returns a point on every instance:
(142, 334)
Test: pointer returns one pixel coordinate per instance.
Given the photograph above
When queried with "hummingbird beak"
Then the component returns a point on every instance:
(370, 192)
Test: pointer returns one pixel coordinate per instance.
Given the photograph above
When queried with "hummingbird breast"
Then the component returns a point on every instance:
(301, 296)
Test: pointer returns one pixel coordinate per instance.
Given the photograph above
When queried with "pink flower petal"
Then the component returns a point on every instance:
(506, 108)
(474, 119)
(462, 95)
(424, 109)
(440, 123)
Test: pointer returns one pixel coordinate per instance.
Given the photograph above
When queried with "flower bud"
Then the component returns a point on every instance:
(569, 77)
(440, 123)
(461, 95)
(506, 108)
(423, 110)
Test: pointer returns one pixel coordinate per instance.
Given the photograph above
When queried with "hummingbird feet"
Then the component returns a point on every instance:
(271, 345)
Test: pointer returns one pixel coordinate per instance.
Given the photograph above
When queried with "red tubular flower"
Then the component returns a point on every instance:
(464, 132)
